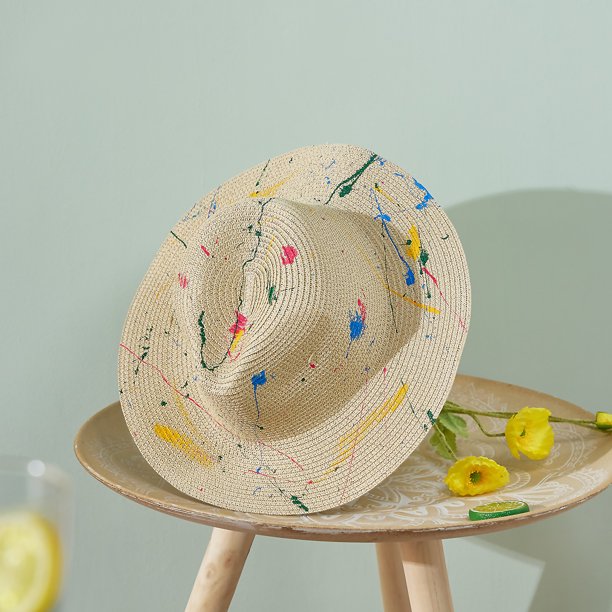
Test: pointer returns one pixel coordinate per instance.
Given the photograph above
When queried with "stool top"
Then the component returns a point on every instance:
(412, 503)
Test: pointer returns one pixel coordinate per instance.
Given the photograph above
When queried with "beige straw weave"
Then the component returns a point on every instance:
(297, 333)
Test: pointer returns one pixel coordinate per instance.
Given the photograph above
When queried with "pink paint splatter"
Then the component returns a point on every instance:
(203, 409)
(205, 250)
(288, 255)
(435, 282)
(362, 310)
(384, 372)
(237, 330)
(240, 323)
(183, 280)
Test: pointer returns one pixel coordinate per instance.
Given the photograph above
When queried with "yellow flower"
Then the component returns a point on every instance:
(476, 475)
(603, 420)
(529, 432)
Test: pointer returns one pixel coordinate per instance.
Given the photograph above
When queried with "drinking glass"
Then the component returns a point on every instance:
(36, 519)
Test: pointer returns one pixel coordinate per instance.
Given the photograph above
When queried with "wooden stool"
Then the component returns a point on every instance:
(407, 516)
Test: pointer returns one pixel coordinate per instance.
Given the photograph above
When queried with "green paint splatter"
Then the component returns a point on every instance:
(212, 368)
(299, 503)
(424, 257)
(347, 184)
(144, 348)
(431, 417)
(163, 403)
(262, 173)
(181, 241)
(272, 294)
(202, 339)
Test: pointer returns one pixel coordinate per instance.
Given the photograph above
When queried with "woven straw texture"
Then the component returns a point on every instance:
(297, 333)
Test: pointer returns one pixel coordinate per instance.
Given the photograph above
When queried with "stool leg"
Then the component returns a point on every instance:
(392, 580)
(220, 570)
(426, 576)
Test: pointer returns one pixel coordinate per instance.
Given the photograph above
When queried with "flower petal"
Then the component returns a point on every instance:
(530, 433)
(476, 475)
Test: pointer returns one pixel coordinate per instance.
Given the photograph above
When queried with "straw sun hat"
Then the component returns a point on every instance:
(297, 333)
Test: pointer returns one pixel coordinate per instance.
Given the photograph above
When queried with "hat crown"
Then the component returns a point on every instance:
(284, 319)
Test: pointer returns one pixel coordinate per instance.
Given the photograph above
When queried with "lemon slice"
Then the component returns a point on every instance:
(30, 562)
(496, 509)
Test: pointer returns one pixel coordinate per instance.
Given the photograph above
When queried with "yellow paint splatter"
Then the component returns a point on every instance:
(393, 291)
(178, 400)
(413, 250)
(349, 441)
(163, 289)
(235, 341)
(270, 191)
(270, 245)
(380, 190)
(185, 444)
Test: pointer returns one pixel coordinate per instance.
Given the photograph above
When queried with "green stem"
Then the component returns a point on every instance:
(484, 431)
(452, 407)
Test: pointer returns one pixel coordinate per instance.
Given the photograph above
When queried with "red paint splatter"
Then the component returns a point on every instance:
(362, 310)
(240, 323)
(205, 250)
(204, 410)
(312, 365)
(183, 280)
(384, 372)
(288, 255)
(435, 282)
(237, 330)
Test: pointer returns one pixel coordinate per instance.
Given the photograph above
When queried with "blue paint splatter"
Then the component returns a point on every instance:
(426, 197)
(258, 380)
(356, 326)
(409, 275)
(382, 216)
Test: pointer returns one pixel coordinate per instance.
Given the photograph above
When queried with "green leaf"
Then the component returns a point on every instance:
(453, 422)
(444, 441)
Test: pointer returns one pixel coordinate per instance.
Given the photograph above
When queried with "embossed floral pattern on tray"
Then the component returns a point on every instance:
(414, 497)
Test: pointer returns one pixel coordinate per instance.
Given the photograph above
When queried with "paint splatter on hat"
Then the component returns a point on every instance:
(297, 333)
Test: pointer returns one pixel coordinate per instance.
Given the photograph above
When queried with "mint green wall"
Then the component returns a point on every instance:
(115, 117)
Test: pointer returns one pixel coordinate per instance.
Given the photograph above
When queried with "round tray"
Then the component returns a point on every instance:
(412, 503)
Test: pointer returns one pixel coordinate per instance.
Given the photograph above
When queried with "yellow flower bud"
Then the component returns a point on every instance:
(603, 420)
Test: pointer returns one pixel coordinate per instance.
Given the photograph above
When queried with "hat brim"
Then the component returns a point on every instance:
(191, 447)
